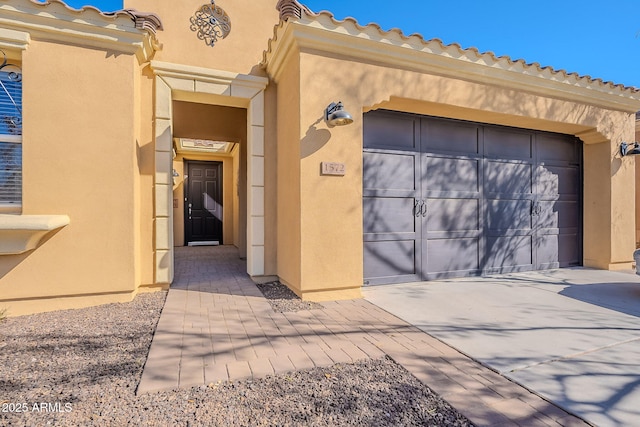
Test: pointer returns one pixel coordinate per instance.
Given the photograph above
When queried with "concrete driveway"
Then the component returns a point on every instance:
(570, 335)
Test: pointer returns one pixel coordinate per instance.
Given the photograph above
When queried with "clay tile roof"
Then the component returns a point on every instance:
(143, 21)
(417, 41)
(291, 9)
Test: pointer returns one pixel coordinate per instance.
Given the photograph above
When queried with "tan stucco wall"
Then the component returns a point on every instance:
(289, 232)
(146, 168)
(252, 24)
(235, 167)
(270, 180)
(100, 98)
(79, 155)
(330, 207)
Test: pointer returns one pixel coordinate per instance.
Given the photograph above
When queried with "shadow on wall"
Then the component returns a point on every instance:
(9, 262)
(314, 139)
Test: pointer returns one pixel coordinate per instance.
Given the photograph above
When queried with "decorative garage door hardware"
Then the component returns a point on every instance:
(447, 198)
(420, 208)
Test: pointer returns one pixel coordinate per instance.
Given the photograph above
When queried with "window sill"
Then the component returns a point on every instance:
(22, 233)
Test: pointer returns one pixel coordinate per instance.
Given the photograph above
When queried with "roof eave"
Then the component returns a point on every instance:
(55, 21)
(321, 32)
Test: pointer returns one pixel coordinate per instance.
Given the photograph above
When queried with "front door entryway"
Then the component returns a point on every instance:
(203, 203)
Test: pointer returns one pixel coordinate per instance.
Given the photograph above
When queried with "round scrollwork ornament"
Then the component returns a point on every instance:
(211, 23)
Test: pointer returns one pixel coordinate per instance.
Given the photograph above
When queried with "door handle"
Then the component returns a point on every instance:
(420, 208)
(189, 210)
(417, 208)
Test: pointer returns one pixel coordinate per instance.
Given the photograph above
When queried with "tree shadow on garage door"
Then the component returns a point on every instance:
(441, 214)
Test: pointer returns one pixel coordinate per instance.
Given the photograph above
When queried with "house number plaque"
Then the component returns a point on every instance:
(331, 168)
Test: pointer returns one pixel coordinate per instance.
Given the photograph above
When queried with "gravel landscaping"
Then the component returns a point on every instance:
(82, 367)
(283, 299)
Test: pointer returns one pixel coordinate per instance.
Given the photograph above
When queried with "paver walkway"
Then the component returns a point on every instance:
(217, 326)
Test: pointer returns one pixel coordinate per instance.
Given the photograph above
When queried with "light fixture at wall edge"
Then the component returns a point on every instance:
(629, 149)
(336, 115)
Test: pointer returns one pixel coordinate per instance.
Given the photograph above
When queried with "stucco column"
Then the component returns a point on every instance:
(330, 203)
(255, 186)
(609, 205)
(163, 184)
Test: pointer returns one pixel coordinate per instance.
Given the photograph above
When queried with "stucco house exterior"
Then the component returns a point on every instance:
(145, 129)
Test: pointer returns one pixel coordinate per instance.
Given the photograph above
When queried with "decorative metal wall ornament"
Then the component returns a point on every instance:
(211, 23)
(13, 122)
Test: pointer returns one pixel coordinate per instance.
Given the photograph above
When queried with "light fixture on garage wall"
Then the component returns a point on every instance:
(629, 149)
(336, 115)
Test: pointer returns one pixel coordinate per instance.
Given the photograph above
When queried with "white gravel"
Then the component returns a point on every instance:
(81, 367)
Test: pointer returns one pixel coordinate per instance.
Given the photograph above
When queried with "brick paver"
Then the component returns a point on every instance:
(216, 326)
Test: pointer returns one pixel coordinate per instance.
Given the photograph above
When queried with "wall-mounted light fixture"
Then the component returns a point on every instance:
(629, 149)
(336, 115)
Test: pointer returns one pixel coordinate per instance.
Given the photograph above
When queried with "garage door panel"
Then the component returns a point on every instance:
(390, 258)
(508, 178)
(451, 174)
(569, 250)
(504, 215)
(558, 181)
(547, 250)
(507, 144)
(559, 215)
(395, 131)
(383, 171)
(449, 136)
(568, 214)
(498, 199)
(558, 148)
(452, 255)
(548, 217)
(505, 253)
(453, 215)
(388, 215)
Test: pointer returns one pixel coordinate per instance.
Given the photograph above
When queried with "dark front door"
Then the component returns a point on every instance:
(203, 202)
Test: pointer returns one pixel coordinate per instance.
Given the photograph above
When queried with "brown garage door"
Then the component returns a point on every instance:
(445, 198)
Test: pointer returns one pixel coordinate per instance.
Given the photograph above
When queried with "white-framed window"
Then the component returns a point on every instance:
(10, 140)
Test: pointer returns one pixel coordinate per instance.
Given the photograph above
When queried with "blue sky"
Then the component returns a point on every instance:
(590, 37)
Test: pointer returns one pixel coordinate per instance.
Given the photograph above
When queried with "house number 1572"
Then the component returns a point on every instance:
(331, 168)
